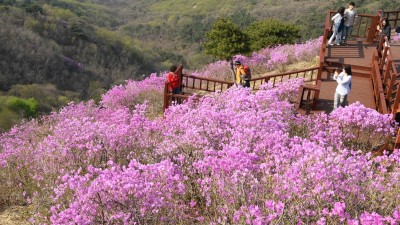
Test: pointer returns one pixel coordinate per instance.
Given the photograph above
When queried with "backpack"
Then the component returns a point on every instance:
(341, 25)
(248, 72)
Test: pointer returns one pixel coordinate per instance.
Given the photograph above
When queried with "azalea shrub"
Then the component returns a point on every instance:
(396, 39)
(233, 157)
(265, 60)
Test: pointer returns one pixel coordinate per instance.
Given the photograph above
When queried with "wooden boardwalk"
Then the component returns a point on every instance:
(359, 55)
(374, 62)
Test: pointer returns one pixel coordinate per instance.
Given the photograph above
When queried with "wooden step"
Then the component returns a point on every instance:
(333, 62)
(331, 66)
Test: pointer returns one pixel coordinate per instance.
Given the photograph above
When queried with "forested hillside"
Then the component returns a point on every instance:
(71, 43)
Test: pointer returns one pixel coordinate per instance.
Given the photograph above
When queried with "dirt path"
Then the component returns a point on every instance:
(12, 216)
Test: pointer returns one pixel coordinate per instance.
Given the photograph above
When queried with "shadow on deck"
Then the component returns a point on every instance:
(357, 54)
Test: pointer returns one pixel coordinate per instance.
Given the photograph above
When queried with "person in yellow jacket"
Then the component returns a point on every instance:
(240, 73)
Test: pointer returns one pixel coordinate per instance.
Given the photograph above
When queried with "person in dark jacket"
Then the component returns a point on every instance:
(384, 28)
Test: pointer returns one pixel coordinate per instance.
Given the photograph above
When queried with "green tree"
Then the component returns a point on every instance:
(47, 96)
(25, 107)
(271, 32)
(225, 40)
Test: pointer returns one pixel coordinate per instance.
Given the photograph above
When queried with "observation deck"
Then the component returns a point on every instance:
(374, 60)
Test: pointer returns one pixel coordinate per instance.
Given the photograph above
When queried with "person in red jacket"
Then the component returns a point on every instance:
(174, 83)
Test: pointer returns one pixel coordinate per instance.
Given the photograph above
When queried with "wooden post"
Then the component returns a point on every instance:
(397, 142)
(166, 102)
(178, 72)
(372, 29)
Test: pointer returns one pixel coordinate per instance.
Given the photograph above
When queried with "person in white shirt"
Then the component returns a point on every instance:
(350, 15)
(337, 19)
(344, 86)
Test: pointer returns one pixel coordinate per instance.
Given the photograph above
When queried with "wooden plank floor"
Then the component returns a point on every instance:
(357, 53)
(361, 91)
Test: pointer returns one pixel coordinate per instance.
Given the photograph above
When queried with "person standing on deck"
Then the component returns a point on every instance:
(343, 88)
(350, 14)
(174, 83)
(337, 20)
(384, 28)
(240, 73)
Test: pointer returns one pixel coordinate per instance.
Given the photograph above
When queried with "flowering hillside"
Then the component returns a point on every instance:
(266, 60)
(233, 157)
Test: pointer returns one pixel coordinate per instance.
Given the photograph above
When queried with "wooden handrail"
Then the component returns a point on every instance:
(205, 84)
(212, 85)
(205, 78)
(299, 99)
(395, 17)
(388, 73)
(170, 99)
(377, 86)
(310, 75)
(308, 94)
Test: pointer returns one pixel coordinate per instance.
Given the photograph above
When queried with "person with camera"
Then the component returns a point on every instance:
(343, 88)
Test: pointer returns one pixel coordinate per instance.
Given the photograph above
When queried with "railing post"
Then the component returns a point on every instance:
(397, 142)
(372, 29)
(166, 102)
(178, 72)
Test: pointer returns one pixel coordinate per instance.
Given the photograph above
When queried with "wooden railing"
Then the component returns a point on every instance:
(365, 27)
(171, 99)
(392, 16)
(388, 73)
(310, 76)
(307, 97)
(310, 91)
(205, 84)
(379, 96)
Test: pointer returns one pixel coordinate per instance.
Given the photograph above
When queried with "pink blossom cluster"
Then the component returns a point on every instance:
(266, 59)
(307, 51)
(233, 157)
(219, 70)
(278, 60)
(127, 94)
(396, 38)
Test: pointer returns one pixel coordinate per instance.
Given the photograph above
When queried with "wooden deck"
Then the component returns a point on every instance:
(361, 91)
(374, 62)
(359, 55)
(356, 53)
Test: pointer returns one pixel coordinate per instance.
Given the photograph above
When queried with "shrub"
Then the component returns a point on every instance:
(232, 157)
(27, 108)
(226, 39)
(271, 32)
